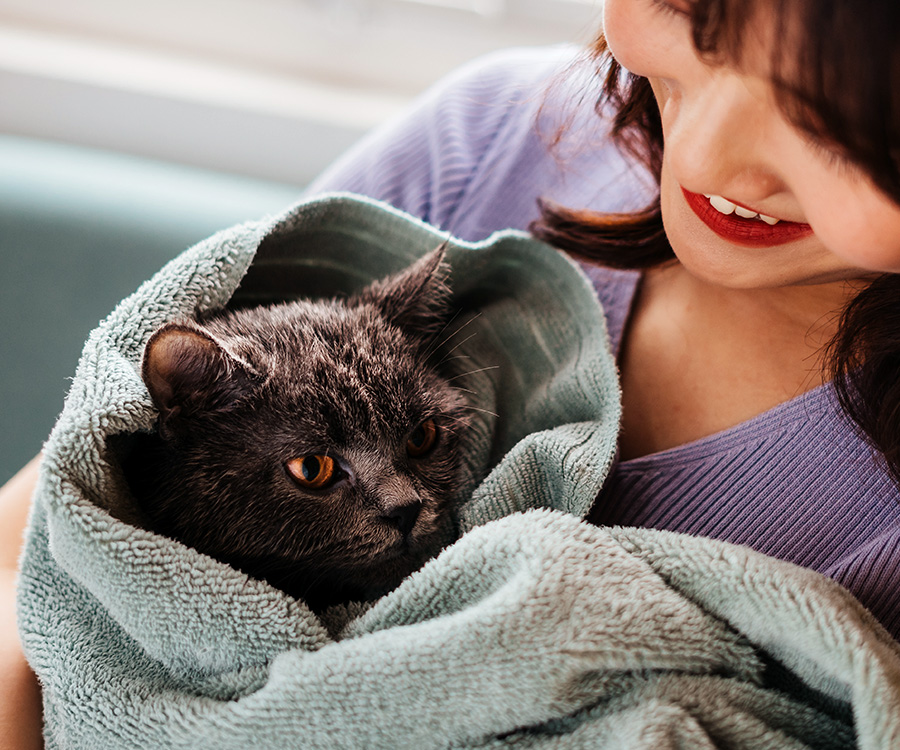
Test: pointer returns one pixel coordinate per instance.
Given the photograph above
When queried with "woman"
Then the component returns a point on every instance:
(778, 196)
(725, 340)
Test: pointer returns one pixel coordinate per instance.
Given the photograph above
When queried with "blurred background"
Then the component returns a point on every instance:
(131, 130)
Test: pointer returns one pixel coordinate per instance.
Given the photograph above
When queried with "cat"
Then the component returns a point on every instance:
(313, 444)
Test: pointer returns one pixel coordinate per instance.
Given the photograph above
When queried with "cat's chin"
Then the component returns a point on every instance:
(394, 568)
(365, 583)
(408, 555)
(383, 575)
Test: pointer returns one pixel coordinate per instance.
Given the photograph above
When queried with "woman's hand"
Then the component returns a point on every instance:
(20, 694)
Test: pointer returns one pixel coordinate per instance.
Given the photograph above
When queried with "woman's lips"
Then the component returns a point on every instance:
(753, 232)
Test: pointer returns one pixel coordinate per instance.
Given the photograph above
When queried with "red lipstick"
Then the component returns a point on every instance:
(751, 232)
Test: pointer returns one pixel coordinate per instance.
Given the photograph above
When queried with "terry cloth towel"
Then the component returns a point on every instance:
(532, 630)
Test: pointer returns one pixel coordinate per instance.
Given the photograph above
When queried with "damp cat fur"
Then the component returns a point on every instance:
(313, 444)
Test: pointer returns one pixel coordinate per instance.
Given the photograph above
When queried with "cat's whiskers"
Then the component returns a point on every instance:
(439, 343)
(447, 340)
(457, 420)
(461, 343)
(473, 372)
(456, 356)
(451, 430)
(483, 411)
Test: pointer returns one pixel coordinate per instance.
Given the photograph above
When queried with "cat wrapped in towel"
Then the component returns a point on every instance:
(314, 444)
(209, 513)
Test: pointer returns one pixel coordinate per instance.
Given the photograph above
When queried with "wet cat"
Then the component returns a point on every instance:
(313, 444)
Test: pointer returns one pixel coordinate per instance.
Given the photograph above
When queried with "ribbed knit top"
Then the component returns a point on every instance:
(796, 482)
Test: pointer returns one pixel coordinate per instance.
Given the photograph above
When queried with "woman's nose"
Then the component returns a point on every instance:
(716, 135)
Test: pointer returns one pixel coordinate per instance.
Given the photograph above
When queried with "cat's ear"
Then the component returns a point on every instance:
(187, 370)
(416, 299)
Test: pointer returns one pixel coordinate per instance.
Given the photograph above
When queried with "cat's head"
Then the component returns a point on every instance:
(317, 443)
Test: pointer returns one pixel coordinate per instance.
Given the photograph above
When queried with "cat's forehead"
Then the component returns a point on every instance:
(346, 372)
(303, 335)
(346, 411)
(357, 385)
(344, 339)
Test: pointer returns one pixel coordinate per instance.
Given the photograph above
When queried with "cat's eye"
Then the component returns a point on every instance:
(422, 439)
(313, 472)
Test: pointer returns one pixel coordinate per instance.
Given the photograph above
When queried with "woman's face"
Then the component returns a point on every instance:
(725, 137)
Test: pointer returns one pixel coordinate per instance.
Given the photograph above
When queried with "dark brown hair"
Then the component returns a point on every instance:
(839, 81)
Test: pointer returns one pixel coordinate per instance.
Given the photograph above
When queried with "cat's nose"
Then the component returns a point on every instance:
(404, 516)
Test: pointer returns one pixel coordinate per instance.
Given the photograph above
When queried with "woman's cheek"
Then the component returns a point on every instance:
(852, 218)
(872, 245)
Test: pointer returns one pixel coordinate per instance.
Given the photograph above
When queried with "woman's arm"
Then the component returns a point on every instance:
(20, 695)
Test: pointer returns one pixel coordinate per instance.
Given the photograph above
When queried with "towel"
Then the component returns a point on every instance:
(532, 630)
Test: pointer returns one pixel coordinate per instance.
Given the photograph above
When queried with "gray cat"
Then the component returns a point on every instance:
(313, 444)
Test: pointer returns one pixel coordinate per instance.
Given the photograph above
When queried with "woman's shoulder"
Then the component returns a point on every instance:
(476, 151)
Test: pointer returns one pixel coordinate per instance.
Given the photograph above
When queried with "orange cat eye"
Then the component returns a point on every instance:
(312, 472)
(422, 439)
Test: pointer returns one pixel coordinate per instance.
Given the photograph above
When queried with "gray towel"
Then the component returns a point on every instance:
(533, 630)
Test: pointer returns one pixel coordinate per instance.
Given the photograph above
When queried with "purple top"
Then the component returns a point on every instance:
(795, 482)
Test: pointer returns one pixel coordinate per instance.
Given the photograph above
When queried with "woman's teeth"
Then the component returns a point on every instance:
(725, 206)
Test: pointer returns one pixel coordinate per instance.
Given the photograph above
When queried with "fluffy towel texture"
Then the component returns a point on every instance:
(534, 630)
